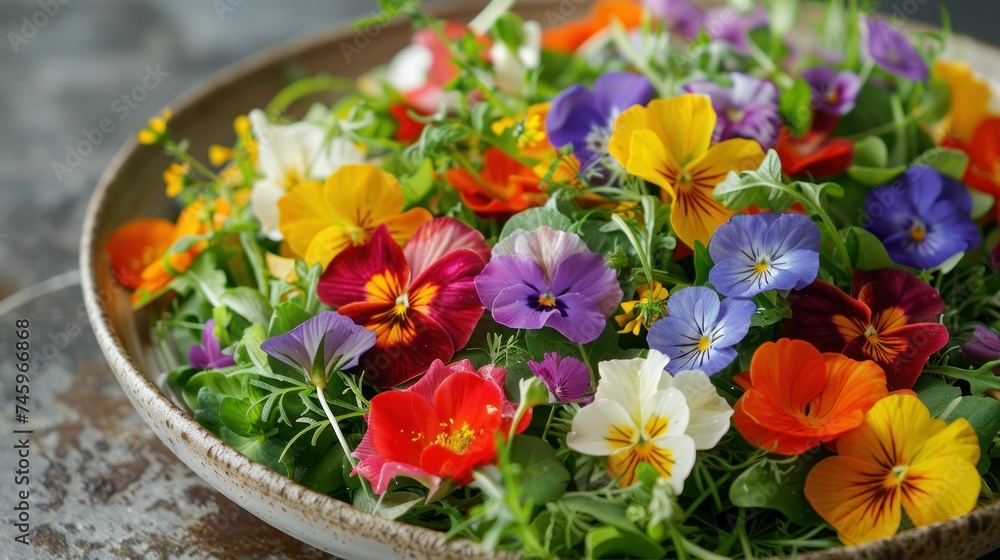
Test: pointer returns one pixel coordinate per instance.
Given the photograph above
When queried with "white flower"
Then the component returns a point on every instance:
(632, 420)
(290, 155)
(510, 68)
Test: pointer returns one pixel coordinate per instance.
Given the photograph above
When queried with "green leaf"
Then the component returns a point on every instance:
(762, 188)
(702, 264)
(871, 151)
(390, 505)
(418, 186)
(207, 277)
(796, 106)
(611, 542)
(534, 218)
(983, 414)
(287, 316)
(946, 161)
(543, 477)
(265, 451)
(874, 176)
(763, 486)
(982, 203)
(247, 303)
(248, 352)
(936, 394)
(771, 308)
(327, 475)
(865, 250)
(243, 419)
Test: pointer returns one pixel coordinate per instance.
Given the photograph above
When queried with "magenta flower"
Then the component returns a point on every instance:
(323, 345)
(548, 278)
(209, 355)
(834, 93)
(893, 52)
(682, 16)
(734, 27)
(748, 109)
(568, 379)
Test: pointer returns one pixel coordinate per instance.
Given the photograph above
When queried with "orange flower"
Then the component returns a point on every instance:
(569, 36)
(799, 398)
(504, 187)
(140, 254)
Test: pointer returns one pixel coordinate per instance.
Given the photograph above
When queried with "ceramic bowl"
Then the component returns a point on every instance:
(131, 187)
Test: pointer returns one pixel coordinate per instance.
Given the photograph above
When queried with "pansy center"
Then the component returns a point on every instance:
(898, 474)
(762, 265)
(547, 300)
(599, 137)
(833, 97)
(292, 178)
(704, 343)
(735, 114)
(357, 235)
(402, 304)
(918, 231)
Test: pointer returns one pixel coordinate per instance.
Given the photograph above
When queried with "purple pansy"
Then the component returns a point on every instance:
(586, 118)
(893, 52)
(209, 355)
(568, 379)
(984, 347)
(733, 26)
(923, 218)
(548, 278)
(755, 254)
(326, 343)
(699, 331)
(834, 93)
(682, 16)
(748, 109)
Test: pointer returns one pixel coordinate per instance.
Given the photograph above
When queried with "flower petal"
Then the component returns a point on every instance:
(602, 428)
(374, 272)
(587, 274)
(579, 318)
(850, 495)
(941, 488)
(437, 238)
(710, 413)
(402, 424)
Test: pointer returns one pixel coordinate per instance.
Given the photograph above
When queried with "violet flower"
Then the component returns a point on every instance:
(699, 332)
(893, 52)
(548, 278)
(326, 343)
(586, 118)
(734, 27)
(984, 347)
(923, 218)
(568, 379)
(834, 93)
(755, 254)
(683, 16)
(748, 109)
(209, 355)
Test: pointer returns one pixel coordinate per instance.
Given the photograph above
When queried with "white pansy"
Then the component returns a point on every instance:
(510, 68)
(289, 155)
(637, 417)
(710, 413)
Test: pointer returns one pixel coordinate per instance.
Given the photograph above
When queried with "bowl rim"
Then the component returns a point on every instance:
(138, 385)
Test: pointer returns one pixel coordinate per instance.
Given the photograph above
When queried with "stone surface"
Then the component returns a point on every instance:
(101, 484)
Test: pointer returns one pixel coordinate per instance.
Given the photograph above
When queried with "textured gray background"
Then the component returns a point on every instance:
(102, 485)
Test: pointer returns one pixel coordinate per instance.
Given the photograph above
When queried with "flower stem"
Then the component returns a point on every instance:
(336, 427)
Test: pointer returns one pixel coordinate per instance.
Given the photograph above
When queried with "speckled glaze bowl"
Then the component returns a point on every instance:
(131, 187)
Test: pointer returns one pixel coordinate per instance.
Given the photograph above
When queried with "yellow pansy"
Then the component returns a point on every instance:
(668, 143)
(970, 98)
(899, 459)
(644, 311)
(320, 220)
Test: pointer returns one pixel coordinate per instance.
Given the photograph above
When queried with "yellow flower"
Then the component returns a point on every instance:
(319, 221)
(174, 177)
(668, 144)
(156, 129)
(970, 98)
(898, 459)
(529, 131)
(644, 311)
(280, 267)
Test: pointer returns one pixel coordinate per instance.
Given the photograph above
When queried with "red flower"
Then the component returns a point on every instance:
(891, 319)
(983, 173)
(503, 188)
(814, 155)
(407, 130)
(421, 302)
(438, 430)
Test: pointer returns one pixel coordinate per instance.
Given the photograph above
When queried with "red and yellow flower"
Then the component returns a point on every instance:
(503, 188)
(798, 398)
(815, 155)
(899, 459)
(891, 319)
(421, 302)
(971, 126)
